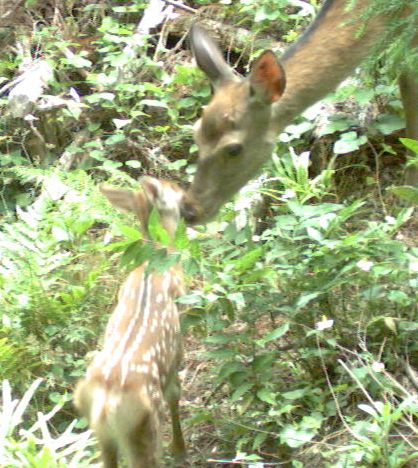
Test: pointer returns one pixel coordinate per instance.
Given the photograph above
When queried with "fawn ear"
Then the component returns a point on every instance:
(151, 187)
(122, 199)
(267, 78)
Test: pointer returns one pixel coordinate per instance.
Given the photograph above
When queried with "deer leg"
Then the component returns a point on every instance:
(172, 396)
(109, 454)
(408, 85)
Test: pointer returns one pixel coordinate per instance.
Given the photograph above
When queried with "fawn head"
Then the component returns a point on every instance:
(165, 196)
(233, 134)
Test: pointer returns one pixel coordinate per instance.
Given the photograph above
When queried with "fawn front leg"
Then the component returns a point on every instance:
(172, 395)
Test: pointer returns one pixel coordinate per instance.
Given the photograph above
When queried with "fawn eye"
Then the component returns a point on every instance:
(233, 150)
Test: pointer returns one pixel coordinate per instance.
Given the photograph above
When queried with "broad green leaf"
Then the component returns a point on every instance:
(339, 123)
(161, 260)
(259, 439)
(267, 396)
(294, 394)
(111, 165)
(133, 163)
(241, 390)
(237, 298)
(274, 335)
(154, 103)
(97, 97)
(131, 233)
(114, 139)
(222, 353)
(190, 299)
(294, 437)
(230, 368)
(407, 193)
(248, 260)
(78, 61)
(181, 241)
(390, 323)
(136, 254)
(306, 298)
(314, 234)
(221, 339)
(156, 231)
(368, 409)
(349, 142)
(410, 144)
(388, 123)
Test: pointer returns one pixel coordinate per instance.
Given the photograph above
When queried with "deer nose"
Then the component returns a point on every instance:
(234, 149)
(188, 212)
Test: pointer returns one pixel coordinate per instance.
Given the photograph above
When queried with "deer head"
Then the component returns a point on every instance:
(233, 135)
(236, 132)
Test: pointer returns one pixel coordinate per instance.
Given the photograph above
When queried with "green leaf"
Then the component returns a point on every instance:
(237, 298)
(156, 231)
(388, 123)
(241, 390)
(337, 123)
(407, 193)
(222, 353)
(248, 260)
(305, 298)
(349, 142)
(77, 61)
(294, 437)
(190, 299)
(410, 144)
(274, 335)
(154, 103)
(161, 260)
(221, 339)
(259, 439)
(133, 163)
(314, 234)
(136, 254)
(111, 165)
(98, 97)
(130, 233)
(186, 102)
(230, 368)
(267, 396)
(294, 394)
(181, 241)
(114, 139)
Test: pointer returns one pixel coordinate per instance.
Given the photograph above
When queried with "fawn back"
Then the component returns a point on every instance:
(137, 367)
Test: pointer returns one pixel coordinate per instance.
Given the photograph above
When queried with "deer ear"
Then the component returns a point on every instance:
(122, 199)
(208, 56)
(267, 78)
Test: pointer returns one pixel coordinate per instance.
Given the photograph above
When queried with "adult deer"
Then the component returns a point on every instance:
(122, 393)
(237, 130)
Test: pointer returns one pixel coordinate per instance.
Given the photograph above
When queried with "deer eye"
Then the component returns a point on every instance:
(233, 150)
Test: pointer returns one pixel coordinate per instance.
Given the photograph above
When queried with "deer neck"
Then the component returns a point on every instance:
(324, 56)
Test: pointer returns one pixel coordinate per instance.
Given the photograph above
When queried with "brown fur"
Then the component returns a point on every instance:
(326, 54)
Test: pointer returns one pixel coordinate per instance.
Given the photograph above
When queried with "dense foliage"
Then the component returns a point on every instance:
(301, 315)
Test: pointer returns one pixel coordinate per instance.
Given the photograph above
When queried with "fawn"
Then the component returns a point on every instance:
(238, 128)
(137, 367)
